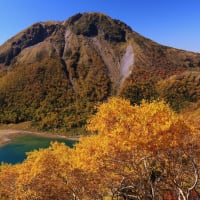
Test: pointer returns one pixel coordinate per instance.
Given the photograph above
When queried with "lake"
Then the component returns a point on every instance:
(15, 151)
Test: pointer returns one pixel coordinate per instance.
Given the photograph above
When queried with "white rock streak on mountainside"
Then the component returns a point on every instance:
(67, 38)
(119, 70)
(126, 63)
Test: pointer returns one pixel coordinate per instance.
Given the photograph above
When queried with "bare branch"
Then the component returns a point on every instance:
(196, 175)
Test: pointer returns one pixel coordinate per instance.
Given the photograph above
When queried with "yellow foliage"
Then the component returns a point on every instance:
(151, 126)
(98, 165)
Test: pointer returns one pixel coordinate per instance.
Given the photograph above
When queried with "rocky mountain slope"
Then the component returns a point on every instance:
(54, 73)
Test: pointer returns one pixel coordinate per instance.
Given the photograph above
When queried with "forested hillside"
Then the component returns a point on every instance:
(55, 73)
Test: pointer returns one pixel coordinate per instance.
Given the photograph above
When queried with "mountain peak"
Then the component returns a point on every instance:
(90, 24)
(55, 72)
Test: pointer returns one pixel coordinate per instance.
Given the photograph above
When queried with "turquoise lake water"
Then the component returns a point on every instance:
(15, 151)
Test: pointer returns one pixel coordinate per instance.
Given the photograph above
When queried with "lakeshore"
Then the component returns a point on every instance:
(6, 135)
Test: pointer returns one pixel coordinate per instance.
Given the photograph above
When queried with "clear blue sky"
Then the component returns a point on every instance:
(171, 22)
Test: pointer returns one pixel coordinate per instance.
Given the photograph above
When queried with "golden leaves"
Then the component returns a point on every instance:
(128, 137)
(150, 125)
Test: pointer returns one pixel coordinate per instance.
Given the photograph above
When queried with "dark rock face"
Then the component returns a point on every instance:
(74, 18)
(88, 30)
(31, 36)
(84, 25)
(117, 35)
(90, 26)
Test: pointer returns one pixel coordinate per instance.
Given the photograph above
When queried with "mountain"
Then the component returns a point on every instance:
(55, 73)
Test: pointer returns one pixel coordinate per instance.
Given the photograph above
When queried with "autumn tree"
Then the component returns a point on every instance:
(8, 176)
(136, 152)
(137, 139)
(40, 176)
